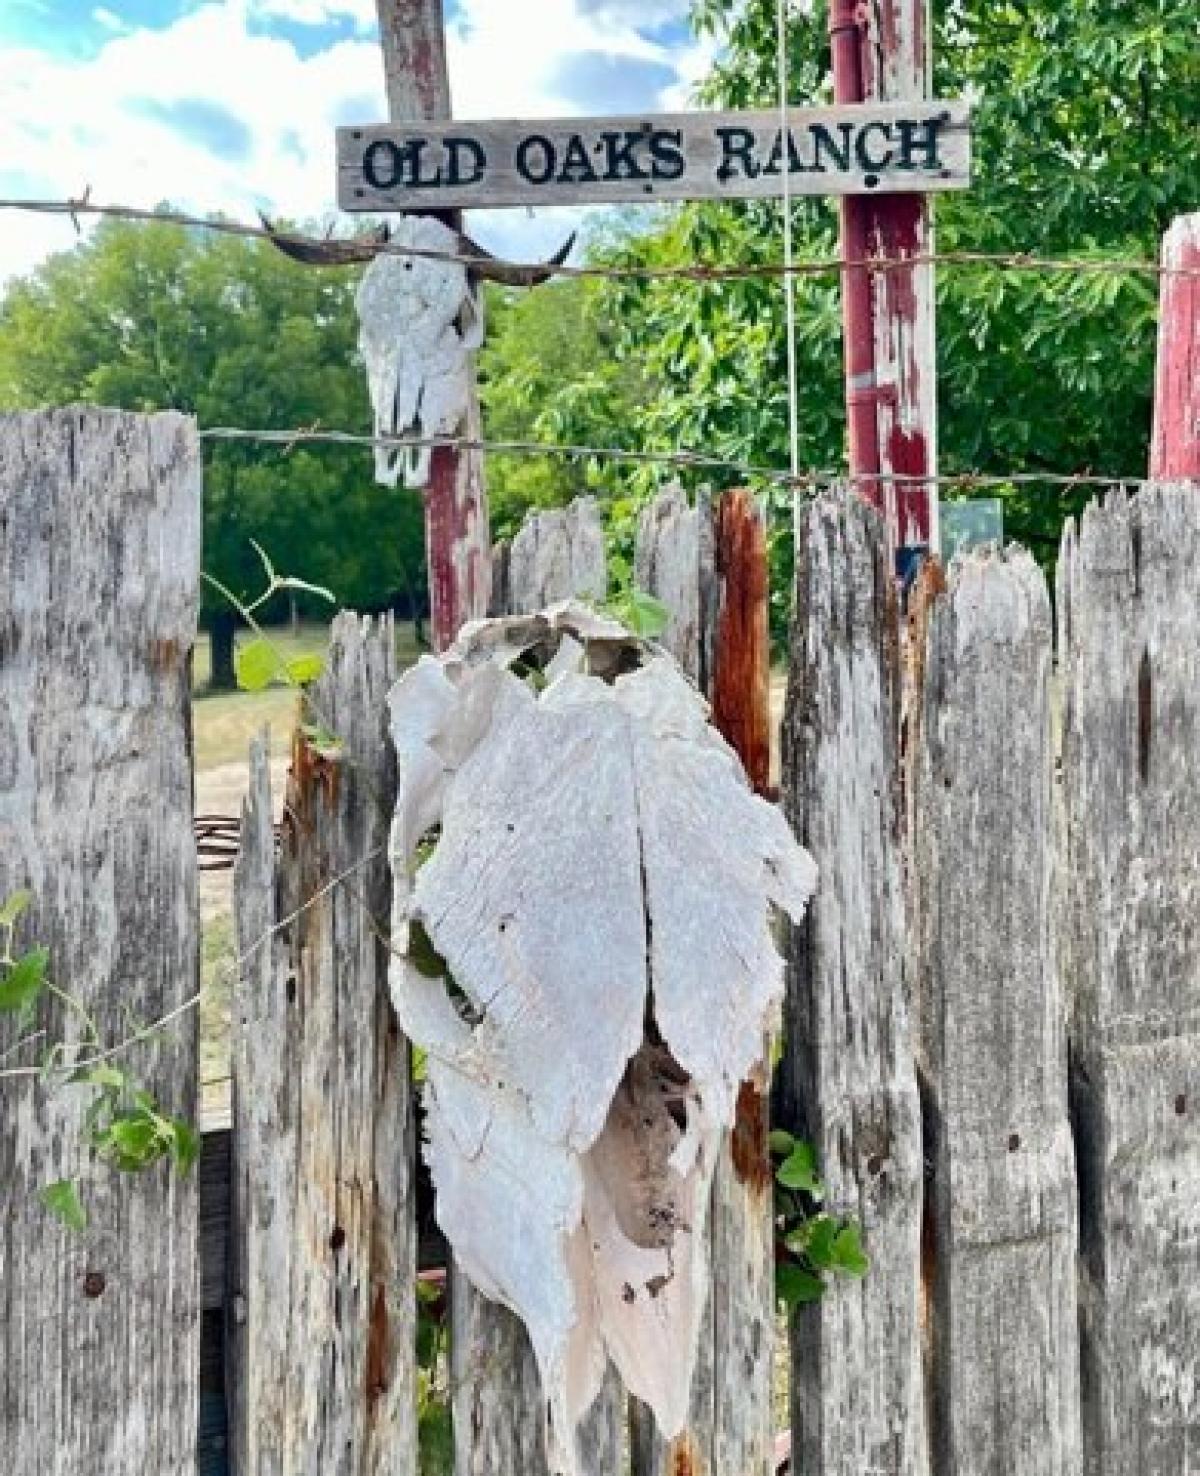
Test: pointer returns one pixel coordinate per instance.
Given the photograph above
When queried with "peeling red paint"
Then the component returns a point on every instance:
(684, 1458)
(1175, 448)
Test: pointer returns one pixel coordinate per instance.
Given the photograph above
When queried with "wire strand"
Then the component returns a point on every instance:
(1016, 261)
(699, 460)
(789, 278)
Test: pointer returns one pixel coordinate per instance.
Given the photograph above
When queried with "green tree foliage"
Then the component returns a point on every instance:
(550, 371)
(149, 317)
(1085, 129)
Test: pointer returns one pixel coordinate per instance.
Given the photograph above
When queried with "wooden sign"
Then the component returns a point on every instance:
(863, 149)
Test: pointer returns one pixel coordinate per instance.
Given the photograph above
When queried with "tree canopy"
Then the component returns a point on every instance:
(149, 317)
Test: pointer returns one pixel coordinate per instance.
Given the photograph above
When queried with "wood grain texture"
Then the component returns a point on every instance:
(708, 566)
(499, 1414)
(1129, 653)
(675, 561)
(324, 1255)
(99, 590)
(993, 1033)
(894, 146)
(847, 1081)
(557, 554)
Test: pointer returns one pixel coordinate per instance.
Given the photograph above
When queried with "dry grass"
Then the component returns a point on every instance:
(223, 726)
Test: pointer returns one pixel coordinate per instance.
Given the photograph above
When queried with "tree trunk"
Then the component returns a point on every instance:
(221, 632)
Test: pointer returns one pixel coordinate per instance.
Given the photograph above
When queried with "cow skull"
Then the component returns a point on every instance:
(420, 319)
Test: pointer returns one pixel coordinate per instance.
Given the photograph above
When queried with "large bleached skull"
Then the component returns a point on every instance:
(419, 322)
(584, 891)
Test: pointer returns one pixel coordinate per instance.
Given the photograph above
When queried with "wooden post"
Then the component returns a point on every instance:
(99, 591)
(881, 53)
(710, 567)
(457, 540)
(1175, 449)
(1129, 930)
(847, 1081)
(323, 1307)
(1001, 1242)
(499, 1414)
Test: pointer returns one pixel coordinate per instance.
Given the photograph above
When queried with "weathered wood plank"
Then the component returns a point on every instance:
(675, 560)
(847, 1081)
(1005, 1346)
(1128, 595)
(556, 555)
(709, 566)
(499, 1415)
(897, 147)
(324, 1258)
(99, 590)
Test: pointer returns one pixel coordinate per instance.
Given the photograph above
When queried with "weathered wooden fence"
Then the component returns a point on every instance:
(992, 1025)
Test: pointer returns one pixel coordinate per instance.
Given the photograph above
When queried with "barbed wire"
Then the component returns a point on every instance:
(1016, 261)
(814, 480)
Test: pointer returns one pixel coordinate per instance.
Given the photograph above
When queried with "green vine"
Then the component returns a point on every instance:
(124, 1125)
(810, 1245)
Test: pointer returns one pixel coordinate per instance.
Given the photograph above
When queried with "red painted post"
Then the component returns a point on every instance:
(1175, 446)
(880, 54)
(457, 538)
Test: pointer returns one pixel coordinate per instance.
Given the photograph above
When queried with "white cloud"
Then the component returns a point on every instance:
(213, 114)
(319, 12)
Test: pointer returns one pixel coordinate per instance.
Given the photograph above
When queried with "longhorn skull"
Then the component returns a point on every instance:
(420, 319)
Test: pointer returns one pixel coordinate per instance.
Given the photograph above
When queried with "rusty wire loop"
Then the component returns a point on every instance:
(1016, 261)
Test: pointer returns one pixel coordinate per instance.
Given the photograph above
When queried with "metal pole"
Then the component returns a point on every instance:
(1175, 448)
(880, 53)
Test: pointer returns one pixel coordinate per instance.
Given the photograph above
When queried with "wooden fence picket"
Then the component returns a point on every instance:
(1002, 1245)
(324, 1232)
(847, 1081)
(499, 1414)
(1129, 928)
(708, 564)
(99, 593)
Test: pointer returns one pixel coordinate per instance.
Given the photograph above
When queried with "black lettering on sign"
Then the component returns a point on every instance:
(872, 163)
(536, 159)
(666, 146)
(775, 161)
(383, 164)
(456, 149)
(618, 147)
(737, 144)
(576, 166)
(825, 144)
(910, 143)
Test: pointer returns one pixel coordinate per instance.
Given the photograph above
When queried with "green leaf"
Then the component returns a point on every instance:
(315, 589)
(185, 1145)
(13, 907)
(304, 669)
(822, 1236)
(256, 666)
(781, 1143)
(848, 1254)
(650, 616)
(22, 982)
(799, 1171)
(63, 1202)
(794, 1286)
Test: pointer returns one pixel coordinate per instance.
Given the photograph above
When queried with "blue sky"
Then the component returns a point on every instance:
(231, 104)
